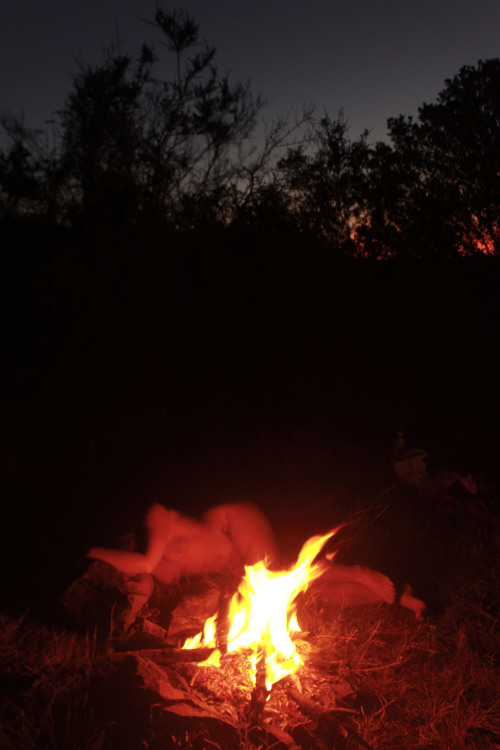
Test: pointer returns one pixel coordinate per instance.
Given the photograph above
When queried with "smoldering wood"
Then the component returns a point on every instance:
(222, 620)
(260, 692)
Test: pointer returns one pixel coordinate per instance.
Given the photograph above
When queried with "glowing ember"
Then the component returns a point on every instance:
(262, 614)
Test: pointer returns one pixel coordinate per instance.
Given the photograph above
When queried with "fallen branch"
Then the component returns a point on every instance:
(327, 718)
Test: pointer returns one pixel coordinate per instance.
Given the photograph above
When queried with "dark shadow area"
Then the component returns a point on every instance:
(194, 369)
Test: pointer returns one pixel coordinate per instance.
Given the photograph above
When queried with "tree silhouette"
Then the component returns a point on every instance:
(30, 172)
(130, 148)
(101, 136)
(130, 142)
(459, 137)
(437, 187)
(17, 173)
(326, 185)
(433, 189)
(161, 143)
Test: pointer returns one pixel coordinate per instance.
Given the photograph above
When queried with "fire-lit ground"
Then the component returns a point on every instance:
(370, 676)
(292, 402)
(409, 684)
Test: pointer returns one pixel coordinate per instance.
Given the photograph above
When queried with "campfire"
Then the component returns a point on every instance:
(266, 680)
(251, 645)
(262, 617)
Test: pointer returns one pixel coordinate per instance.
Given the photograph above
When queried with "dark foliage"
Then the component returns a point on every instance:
(144, 331)
(130, 146)
(129, 149)
(447, 163)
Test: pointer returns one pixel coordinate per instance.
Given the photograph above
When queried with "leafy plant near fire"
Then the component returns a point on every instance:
(190, 152)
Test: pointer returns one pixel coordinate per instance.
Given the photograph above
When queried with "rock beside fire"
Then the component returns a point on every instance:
(105, 600)
(196, 605)
(181, 711)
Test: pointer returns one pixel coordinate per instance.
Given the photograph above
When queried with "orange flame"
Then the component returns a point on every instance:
(262, 614)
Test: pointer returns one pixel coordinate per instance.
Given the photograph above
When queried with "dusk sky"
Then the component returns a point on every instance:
(373, 59)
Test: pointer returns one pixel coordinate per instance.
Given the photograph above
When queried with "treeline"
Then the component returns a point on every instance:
(135, 154)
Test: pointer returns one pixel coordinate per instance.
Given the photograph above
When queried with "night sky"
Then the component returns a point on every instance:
(373, 59)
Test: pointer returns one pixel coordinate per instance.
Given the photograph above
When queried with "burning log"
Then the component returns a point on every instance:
(261, 614)
(260, 692)
(222, 621)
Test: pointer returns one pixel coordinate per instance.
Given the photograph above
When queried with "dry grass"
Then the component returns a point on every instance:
(411, 685)
(425, 685)
(45, 676)
(433, 685)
